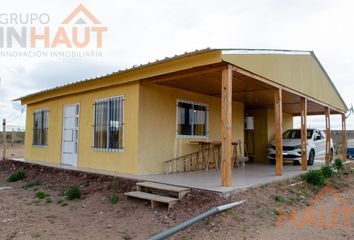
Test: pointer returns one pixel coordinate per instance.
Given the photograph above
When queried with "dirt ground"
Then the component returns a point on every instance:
(22, 216)
(13, 150)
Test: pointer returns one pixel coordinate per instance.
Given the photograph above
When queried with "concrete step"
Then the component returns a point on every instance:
(153, 198)
(179, 191)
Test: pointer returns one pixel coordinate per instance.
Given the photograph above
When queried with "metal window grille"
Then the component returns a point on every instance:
(108, 124)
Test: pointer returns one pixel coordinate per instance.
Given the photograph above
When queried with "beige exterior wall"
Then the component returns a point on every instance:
(298, 72)
(287, 123)
(149, 128)
(125, 161)
(158, 139)
(264, 130)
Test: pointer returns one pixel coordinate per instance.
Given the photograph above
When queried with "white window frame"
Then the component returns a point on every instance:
(41, 145)
(123, 125)
(206, 122)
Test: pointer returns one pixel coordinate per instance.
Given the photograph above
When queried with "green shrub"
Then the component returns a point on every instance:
(114, 196)
(315, 177)
(338, 164)
(48, 200)
(16, 176)
(40, 195)
(73, 193)
(279, 198)
(31, 184)
(327, 171)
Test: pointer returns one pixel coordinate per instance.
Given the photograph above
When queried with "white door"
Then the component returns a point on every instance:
(70, 134)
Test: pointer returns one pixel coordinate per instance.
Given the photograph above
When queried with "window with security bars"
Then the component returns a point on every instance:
(40, 127)
(108, 124)
(192, 119)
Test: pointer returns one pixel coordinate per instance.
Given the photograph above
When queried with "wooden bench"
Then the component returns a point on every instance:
(153, 198)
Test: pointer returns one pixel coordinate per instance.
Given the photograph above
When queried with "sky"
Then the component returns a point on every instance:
(143, 31)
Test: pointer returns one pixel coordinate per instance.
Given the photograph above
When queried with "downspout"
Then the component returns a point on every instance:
(175, 229)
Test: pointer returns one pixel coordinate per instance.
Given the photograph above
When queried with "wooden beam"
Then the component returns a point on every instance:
(303, 133)
(186, 73)
(246, 91)
(328, 134)
(344, 139)
(226, 127)
(278, 123)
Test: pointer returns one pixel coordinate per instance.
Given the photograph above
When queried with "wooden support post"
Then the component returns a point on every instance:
(344, 139)
(278, 125)
(4, 139)
(328, 134)
(303, 133)
(226, 133)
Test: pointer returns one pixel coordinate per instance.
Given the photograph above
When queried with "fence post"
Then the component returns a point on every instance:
(12, 137)
(4, 139)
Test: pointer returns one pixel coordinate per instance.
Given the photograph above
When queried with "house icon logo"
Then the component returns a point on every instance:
(80, 29)
(79, 13)
(325, 214)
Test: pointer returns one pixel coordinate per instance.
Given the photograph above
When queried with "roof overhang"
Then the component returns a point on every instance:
(202, 59)
(159, 67)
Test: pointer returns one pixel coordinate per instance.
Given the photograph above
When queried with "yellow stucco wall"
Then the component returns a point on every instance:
(125, 161)
(287, 123)
(158, 141)
(147, 142)
(264, 130)
(260, 133)
(298, 72)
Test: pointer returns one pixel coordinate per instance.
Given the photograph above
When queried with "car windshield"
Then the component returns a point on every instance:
(296, 134)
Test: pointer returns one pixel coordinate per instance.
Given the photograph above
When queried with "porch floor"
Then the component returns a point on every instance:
(253, 175)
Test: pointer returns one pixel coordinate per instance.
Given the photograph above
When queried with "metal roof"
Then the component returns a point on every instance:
(121, 71)
(264, 51)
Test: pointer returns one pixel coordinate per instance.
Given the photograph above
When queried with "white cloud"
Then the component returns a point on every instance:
(142, 31)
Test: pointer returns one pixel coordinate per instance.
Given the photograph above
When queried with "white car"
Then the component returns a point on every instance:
(316, 146)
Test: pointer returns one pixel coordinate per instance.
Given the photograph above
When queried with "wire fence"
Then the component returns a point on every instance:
(13, 137)
(11, 142)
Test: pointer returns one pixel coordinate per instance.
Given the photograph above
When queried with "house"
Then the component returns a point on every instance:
(133, 120)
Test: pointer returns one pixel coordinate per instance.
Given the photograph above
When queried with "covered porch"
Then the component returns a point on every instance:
(232, 83)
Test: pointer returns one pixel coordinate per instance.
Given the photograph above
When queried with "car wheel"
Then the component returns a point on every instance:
(331, 156)
(297, 162)
(272, 161)
(311, 159)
